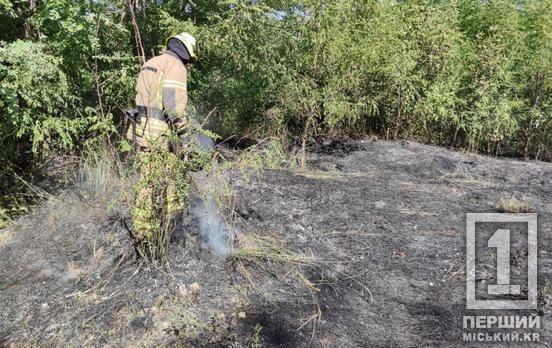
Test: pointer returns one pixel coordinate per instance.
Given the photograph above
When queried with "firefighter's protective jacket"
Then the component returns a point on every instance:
(161, 99)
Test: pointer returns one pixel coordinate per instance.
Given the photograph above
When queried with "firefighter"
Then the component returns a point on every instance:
(161, 99)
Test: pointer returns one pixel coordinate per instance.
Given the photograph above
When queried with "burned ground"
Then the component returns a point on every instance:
(384, 220)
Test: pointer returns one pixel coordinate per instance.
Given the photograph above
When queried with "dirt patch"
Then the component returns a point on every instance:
(387, 219)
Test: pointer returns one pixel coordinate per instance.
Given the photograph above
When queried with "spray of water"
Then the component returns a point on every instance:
(214, 229)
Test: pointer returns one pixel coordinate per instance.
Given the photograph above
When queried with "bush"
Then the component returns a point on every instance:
(471, 74)
(36, 102)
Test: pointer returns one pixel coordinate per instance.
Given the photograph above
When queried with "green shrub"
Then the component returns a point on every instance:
(471, 74)
(35, 100)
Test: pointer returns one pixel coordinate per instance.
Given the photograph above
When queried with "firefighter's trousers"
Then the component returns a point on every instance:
(157, 197)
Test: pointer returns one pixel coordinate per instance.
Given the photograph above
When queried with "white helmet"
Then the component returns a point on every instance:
(189, 42)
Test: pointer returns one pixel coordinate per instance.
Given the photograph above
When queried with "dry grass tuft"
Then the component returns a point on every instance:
(513, 205)
(5, 236)
(260, 259)
(256, 248)
(101, 172)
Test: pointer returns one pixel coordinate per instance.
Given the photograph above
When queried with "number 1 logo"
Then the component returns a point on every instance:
(500, 240)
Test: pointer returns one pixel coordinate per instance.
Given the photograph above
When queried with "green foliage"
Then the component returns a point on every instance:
(159, 191)
(163, 188)
(35, 99)
(6, 8)
(256, 336)
(471, 74)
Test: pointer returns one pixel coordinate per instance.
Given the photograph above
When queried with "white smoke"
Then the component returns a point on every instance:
(214, 229)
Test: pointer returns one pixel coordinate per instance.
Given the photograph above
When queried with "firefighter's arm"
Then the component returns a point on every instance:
(175, 95)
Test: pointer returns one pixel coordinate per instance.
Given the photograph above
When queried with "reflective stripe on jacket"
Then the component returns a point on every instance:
(161, 97)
